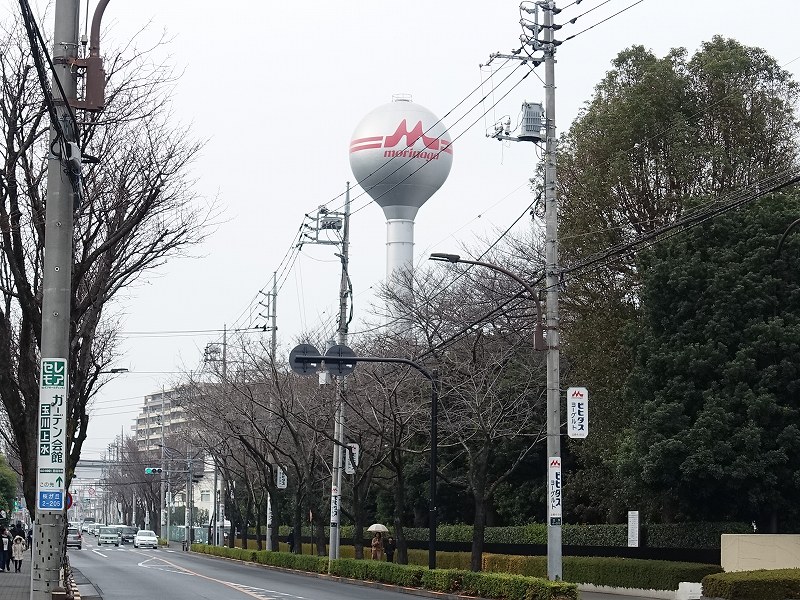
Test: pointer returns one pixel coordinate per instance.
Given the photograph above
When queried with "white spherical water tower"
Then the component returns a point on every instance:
(400, 154)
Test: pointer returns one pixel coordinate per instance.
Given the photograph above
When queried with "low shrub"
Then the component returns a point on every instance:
(615, 572)
(442, 580)
(777, 584)
(373, 570)
(634, 573)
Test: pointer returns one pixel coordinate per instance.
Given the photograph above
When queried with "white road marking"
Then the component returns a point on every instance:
(254, 592)
(100, 553)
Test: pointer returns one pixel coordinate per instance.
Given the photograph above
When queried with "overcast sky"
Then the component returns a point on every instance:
(276, 89)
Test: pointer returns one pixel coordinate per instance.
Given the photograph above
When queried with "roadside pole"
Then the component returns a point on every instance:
(56, 294)
(554, 516)
(338, 427)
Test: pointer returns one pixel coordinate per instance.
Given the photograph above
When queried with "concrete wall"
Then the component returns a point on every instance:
(755, 551)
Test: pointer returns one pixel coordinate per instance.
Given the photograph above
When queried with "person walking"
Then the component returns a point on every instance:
(389, 547)
(377, 547)
(5, 539)
(17, 552)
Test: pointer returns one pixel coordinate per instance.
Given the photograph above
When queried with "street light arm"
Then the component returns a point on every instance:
(538, 336)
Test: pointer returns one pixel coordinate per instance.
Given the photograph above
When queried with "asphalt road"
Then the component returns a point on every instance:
(127, 573)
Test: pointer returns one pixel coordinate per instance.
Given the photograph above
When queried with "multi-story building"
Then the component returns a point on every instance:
(162, 418)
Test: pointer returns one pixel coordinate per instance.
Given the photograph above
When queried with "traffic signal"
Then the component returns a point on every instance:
(153, 470)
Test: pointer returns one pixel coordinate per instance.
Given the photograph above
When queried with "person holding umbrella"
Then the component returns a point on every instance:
(377, 540)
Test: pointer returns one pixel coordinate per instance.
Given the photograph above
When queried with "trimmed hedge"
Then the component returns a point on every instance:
(777, 584)
(615, 572)
(675, 535)
(501, 586)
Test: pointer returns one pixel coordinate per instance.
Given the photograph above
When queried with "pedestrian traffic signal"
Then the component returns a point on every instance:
(153, 470)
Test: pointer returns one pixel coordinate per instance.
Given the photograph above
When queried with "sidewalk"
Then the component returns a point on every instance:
(16, 586)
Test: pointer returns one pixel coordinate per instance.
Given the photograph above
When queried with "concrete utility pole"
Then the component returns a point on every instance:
(338, 426)
(273, 346)
(162, 516)
(552, 280)
(56, 283)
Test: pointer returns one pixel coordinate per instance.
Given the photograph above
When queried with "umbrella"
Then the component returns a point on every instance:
(378, 527)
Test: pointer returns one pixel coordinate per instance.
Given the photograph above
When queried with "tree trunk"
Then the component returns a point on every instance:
(479, 469)
(399, 503)
(478, 531)
(298, 522)
(319, 536)
(259, 542)
(248, 513)
(277, 502)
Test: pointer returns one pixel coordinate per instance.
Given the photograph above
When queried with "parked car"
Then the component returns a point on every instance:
(145, 539)
(74, 538)
(127, 533)
(109, 535)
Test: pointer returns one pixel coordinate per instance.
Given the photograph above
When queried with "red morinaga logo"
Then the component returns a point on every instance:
(433, 145)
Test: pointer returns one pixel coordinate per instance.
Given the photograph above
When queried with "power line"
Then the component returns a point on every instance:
(572, 37)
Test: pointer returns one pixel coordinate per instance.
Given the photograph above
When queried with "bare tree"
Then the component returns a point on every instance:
(493, 389)
(138, 210)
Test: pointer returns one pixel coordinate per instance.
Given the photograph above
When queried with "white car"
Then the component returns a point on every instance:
(145, 539)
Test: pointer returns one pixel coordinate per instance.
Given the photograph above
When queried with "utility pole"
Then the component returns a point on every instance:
(531, 132)
(186, 509)
(273, 346)
(338, 426)
(552, 281)
(324, 223)
(162, 516)
(62, 194)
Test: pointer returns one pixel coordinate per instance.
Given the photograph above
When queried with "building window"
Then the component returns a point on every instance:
(205, 495)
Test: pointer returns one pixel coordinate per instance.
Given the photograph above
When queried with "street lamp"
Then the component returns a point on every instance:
(553, 410)
(538, 335)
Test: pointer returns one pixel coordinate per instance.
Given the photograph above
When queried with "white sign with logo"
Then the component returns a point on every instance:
(577, 412)
(282, 480)
(351, 457)
(633, 528)
(554, 509)
(334, 506)
(52, 427)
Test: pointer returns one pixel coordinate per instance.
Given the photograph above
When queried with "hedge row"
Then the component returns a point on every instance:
(614, 572)
(485, 585)
(753, 585)
(677, 535)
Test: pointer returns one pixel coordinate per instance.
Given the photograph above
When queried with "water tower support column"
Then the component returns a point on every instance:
(399, 244)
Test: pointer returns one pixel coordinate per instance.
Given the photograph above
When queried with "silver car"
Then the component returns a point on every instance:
(109, 535)
(74, 538)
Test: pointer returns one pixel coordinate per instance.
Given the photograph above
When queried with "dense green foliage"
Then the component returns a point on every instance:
(717, 371)
(778, 584)
(8, 485)
(658, 535)
(660, 136)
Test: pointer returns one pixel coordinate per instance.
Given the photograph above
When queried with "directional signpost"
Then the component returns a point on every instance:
(53, 386)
